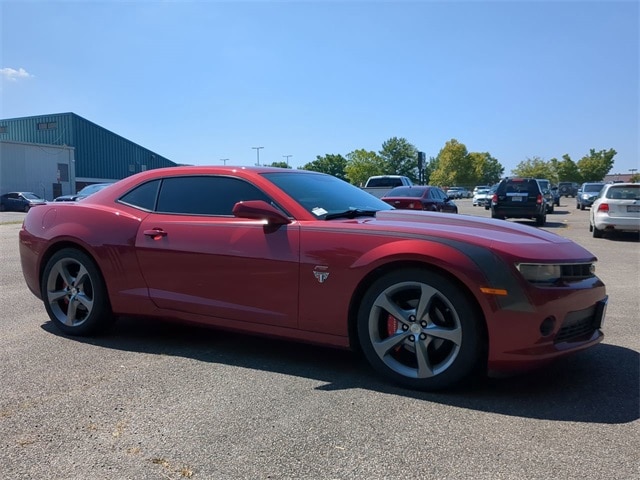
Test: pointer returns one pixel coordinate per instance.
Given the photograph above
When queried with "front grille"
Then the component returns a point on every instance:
(577, 325)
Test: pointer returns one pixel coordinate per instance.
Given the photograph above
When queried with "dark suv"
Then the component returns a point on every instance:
(568, 189)
(519, 198)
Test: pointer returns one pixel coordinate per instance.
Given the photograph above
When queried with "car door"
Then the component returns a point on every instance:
(196, 257)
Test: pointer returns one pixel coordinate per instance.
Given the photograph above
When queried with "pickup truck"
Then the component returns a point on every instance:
(379, 185)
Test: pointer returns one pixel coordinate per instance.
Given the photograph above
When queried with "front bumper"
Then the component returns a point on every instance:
(547, 329)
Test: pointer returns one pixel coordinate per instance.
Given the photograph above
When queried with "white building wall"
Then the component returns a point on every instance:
(31, 167)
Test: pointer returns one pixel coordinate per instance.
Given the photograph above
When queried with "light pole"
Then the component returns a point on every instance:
(257, 149)
(287, 157)
(224, 160)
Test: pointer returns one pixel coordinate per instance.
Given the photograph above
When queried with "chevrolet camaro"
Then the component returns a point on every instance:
(429, 299)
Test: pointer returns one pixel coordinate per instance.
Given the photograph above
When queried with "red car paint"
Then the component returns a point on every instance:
(304, 280)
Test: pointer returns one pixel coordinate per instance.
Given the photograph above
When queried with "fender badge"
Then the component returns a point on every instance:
(321, 273)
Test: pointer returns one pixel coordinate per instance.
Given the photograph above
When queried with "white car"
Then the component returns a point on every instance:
(481, 197)
(616, 209)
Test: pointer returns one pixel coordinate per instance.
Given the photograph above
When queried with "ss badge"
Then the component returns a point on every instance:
(321, 273)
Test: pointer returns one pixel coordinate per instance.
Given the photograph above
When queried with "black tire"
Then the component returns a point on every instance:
(74, 293)
(577, 206)
(541, 220)
(552, 209)
(26, 208)
(595, 232)
(448, 331)
(582, 206)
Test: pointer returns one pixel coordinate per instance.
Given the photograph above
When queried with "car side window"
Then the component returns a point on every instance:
(205, 195)
(143, 196)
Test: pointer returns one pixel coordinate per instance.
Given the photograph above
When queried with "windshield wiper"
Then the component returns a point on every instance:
(351, 213)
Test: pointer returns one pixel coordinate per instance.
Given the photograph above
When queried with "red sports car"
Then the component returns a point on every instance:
(429, 298)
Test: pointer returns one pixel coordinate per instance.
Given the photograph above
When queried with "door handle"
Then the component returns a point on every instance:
(155, 233)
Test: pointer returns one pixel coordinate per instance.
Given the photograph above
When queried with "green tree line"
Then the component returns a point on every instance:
(454, 165)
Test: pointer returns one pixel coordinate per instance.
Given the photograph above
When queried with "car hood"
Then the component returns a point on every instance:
(524, 241)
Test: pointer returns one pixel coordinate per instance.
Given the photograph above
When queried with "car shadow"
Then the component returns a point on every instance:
(600, 385)
(633, 237)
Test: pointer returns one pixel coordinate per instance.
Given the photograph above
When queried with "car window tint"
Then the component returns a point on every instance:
(143, 196)
(205, 195)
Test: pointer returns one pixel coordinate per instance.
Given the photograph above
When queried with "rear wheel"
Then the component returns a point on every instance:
(596, 233)
(74, 293)
(541, 220)
(26, 208)
(420, 330)
(582, 206)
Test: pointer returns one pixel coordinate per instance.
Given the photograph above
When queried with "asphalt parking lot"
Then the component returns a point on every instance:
(155, 400)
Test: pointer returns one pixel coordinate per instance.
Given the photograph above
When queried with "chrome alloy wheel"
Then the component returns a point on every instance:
(70, 292)
(415, 330)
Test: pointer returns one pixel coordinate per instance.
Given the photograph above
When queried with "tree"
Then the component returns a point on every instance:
(331, 163)
(535, 167)
(362, 164)
(400, 158)
(566, 170)
(455, 167)
(596, 165)
(487, 169)
(280, 165)
(430, 166)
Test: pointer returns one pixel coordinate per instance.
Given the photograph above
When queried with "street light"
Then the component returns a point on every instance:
(257, 149)
(287, 157)
(224, 160)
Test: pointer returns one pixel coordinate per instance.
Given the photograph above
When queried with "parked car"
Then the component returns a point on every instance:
(481, 197)
(587, 194)
(458, 192)
(568, 189)
(427, 198)
(380, 185)
(616, 209)
(556, 195)
(545, 186)
(489, 199)
(519, 198)
(85, 192)
(429, 299)
(20, 201)
(480, 187)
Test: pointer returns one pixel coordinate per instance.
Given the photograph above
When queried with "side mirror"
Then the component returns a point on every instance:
(260, 210)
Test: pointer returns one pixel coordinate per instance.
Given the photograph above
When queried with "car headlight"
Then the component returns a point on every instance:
(540, 273)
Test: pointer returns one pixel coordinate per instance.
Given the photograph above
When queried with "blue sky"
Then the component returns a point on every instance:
(198, 82)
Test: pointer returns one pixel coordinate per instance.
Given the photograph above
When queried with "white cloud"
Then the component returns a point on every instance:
(13, 75)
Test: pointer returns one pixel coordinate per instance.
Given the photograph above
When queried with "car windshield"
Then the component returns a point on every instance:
(406, 192)
(326, 196)
(31, 196)
(89, 189)
(593, 187)
(629, 192)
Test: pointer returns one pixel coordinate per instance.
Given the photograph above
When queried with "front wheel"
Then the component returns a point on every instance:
(420, 330)
(74, 293)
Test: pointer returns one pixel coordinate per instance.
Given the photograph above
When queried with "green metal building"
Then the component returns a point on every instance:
(63, 152)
